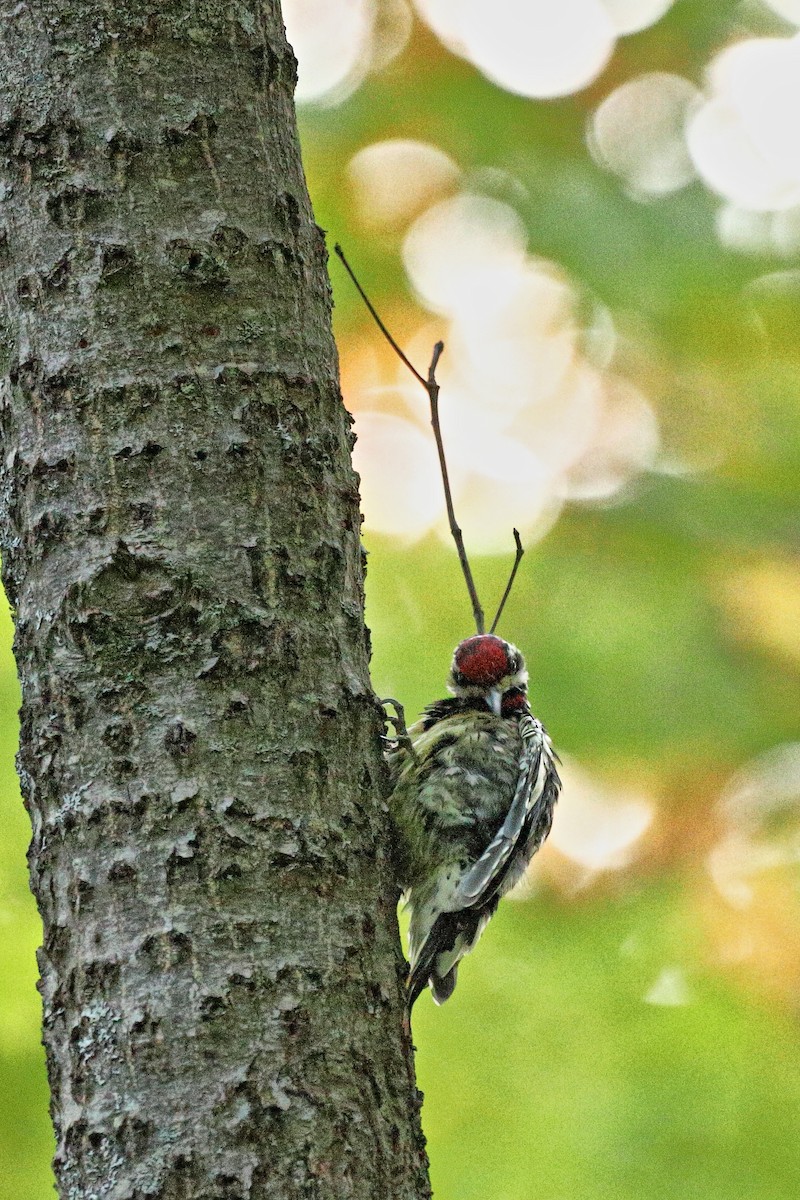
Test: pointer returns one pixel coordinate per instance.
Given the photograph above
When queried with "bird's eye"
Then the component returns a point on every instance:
(516, 663)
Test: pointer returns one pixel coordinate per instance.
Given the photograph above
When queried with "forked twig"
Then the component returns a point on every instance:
(432, 388)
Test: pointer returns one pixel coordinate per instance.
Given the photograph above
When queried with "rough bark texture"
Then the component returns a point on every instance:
(199, 752)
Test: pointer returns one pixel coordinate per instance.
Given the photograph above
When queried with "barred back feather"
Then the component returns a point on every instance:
(473, 801)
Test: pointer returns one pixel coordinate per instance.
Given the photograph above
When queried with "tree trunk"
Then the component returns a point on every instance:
(200, 753)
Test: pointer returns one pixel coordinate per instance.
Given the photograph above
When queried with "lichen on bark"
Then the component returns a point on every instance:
(199, 753)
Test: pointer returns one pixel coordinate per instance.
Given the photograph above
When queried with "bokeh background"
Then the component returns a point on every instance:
(596, 204)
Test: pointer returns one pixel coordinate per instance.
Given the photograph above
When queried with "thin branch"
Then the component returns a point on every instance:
(433, 392)
(378, 321)
(517, 560)
(432, 388)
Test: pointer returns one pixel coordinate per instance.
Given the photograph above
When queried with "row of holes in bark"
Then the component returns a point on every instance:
(55, 143)
(202, 263)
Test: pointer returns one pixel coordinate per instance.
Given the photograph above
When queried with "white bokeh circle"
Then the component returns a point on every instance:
(536, 48)
(638, 133)
(745, 139)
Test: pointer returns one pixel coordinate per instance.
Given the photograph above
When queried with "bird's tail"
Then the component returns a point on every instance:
(444, 987)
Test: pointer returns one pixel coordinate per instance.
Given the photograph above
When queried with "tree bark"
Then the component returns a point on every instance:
(199, 751)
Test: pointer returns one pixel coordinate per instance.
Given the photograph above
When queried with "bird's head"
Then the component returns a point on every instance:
(486, 666)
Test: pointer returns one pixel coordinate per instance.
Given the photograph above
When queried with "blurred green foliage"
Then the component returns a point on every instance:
(548, 1076)
(660, 653)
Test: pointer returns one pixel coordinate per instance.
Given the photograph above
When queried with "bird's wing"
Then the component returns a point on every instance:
(527, 821)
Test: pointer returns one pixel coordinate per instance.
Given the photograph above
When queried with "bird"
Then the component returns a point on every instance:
(474, 786)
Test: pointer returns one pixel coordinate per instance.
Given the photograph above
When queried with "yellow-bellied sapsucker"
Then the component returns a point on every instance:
(475, 783)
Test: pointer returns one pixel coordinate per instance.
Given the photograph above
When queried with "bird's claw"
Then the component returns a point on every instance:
(397, 720)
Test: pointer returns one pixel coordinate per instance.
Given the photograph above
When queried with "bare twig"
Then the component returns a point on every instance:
(378, 321)
(520, 550)
(432, 388)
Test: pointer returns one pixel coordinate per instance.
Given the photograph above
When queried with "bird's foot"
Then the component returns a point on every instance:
(401, 739)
